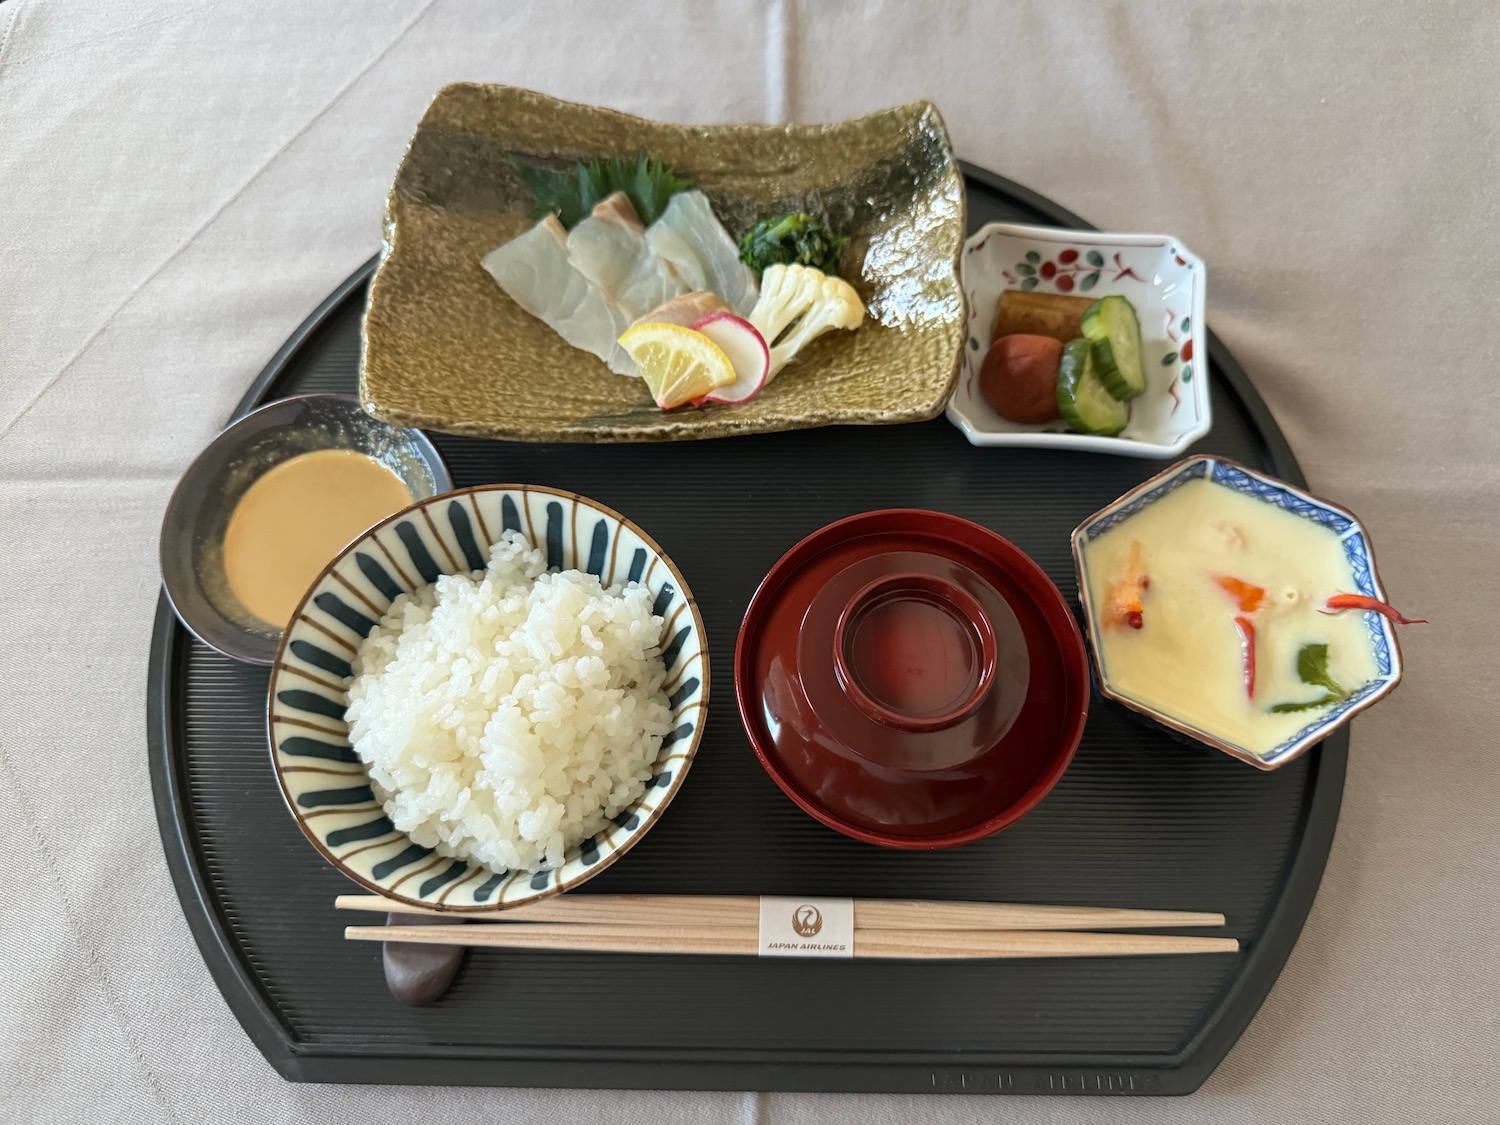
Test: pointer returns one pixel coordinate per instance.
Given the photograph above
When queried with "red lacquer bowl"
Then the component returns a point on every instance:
(911, 679)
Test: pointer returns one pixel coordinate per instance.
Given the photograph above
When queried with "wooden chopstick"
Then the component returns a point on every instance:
(744, 910)
(899, 944)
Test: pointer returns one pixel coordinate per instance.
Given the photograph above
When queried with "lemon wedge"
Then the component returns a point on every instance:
(677, 363)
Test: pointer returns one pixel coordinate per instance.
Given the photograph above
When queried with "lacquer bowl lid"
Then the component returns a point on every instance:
(911, 679)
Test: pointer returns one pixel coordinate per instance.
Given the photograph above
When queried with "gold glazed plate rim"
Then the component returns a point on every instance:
(903, 367)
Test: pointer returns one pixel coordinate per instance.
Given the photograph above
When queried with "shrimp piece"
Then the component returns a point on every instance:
(1126, 594)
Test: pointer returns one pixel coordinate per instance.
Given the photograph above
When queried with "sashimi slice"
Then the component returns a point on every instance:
(690, 238)
(609, 249)
(604, 246)
(603, 251)
(685, 310)
(534, 270)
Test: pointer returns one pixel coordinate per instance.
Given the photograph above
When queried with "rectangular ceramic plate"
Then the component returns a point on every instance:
(446, 349)
(1160, 277)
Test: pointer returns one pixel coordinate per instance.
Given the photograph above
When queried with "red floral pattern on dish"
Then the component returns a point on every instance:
(1179, 331)
(1071, 269)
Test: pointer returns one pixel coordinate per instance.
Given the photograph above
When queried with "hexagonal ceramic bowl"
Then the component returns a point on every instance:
(1160, 277)
(1302, 504)
(325, 784)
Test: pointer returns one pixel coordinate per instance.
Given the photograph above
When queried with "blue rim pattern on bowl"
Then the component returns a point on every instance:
(1357, 550)
(327, 787)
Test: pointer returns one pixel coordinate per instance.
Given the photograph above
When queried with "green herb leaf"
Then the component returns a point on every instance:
(572, 194)
(1312, 668)
(551, 192)
(795, 238)
(1309, 705)
(651, 184)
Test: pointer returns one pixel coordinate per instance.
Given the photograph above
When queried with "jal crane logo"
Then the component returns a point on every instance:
(807, 921)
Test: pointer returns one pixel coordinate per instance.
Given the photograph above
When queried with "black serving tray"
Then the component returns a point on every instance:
(1139, 820)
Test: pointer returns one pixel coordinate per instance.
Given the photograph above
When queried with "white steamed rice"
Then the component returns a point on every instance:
(506, 715)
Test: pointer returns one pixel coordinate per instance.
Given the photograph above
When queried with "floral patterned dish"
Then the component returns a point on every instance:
(1160, 277)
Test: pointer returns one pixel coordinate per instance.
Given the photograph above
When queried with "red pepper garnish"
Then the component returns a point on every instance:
(1375, 605)
(1247, 652)
(1249, 596)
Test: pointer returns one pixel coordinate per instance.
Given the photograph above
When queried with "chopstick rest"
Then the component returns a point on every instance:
(418, 973)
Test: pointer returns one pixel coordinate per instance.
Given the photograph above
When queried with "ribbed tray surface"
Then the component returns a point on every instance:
(1139, 820)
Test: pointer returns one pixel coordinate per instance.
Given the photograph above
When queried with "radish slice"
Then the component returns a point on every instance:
(743, 344)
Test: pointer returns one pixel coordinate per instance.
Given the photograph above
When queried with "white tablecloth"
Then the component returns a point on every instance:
(182, 182)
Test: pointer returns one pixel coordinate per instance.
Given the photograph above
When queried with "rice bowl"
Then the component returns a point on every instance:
(508, 714)
(346, 804)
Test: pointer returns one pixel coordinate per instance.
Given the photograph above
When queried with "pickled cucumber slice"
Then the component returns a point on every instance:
(1114, 331)
(1081, 398)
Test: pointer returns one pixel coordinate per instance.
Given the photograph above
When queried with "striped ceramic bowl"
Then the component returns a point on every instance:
(326, 786)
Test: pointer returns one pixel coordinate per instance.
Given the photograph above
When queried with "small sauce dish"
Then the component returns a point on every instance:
(200, 513)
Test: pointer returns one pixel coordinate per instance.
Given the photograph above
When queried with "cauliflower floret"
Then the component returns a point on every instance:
(804, 303)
